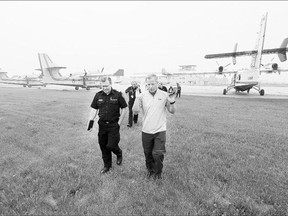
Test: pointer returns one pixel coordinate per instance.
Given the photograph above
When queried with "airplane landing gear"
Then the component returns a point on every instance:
(262, 92)
(224, 91)
(87, 88)
(248, 91)
(29, 86)
(24, 86)
(76, 88)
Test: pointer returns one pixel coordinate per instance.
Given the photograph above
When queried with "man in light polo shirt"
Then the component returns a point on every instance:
(153, 104)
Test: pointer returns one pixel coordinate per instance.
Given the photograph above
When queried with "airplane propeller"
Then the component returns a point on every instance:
(270, 63)
(102, 70)
(221, 68)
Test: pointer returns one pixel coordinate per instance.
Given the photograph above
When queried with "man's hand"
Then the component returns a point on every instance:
(94, 127)
(171, 97)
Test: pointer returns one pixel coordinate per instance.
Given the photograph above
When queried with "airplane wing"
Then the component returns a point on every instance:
(231, 54)
(245, 53)
(205, 73)
(278, 70)
(214, 73)
(281, 51)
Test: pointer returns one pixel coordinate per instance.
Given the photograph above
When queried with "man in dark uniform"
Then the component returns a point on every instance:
(111, 107)
(131, 91)
(178, 93)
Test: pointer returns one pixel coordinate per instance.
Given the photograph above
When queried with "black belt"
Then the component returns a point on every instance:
(108, 122)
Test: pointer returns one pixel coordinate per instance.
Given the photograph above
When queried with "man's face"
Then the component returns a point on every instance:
(152, 85)
(134, 85)
(106, 86)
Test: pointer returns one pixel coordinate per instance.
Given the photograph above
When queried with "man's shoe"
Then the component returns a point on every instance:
(104, 170)
(149, 174)
(129, 125)
(119, 160)
(157, 176)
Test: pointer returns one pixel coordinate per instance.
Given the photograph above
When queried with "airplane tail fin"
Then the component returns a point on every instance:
(3, 74)
(256, 59)
(119, 72)
(282, 51)
(50, 71)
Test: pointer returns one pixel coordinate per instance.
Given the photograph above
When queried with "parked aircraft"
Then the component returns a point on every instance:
(245, 79)
(187, 74)
(21, 80)
(52, 76)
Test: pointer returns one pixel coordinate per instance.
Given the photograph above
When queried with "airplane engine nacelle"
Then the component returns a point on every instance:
(275, 66)
(220, 69)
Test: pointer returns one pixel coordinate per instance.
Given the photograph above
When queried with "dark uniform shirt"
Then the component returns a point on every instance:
(132, 94)
(109, 105)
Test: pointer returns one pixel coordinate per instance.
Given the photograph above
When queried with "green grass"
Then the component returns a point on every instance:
(225, 156)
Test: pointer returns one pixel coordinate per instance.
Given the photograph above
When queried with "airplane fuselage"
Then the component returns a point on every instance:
(76, 82)
(245, 79)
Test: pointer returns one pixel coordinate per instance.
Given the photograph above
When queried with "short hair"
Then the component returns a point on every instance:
(134, 82)
(104, 78)
(150, 76)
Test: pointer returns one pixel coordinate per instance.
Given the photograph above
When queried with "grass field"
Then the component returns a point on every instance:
(225, 156)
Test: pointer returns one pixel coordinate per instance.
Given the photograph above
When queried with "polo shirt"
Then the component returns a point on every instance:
(154, 111)
(109, 105)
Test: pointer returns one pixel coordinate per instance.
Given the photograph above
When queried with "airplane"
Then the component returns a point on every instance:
(188, 74)
(185, 75)
(246, 79)
(21, 80)
(52, 76)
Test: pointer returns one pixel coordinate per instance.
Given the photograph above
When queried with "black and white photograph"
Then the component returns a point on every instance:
(143, 108)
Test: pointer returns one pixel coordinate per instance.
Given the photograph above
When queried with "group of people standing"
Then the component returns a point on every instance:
(108, 108)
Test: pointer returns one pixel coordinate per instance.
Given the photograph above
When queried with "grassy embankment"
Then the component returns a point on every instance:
(224, 156)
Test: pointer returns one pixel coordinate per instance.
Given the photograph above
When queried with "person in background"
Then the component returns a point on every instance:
(162, 87)
(170, 90)
(178, 92)
(110, 107)
(153, 104)
(131, 91)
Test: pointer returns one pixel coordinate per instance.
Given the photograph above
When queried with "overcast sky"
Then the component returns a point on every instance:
(140, 36)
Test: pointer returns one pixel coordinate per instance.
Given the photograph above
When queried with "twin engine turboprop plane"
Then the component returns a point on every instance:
(21, 80)
(244, 80)
(52, 76)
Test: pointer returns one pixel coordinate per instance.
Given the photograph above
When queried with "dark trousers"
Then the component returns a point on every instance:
(108, 138)
(132, 117)
(178, 94)
(154, 150)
